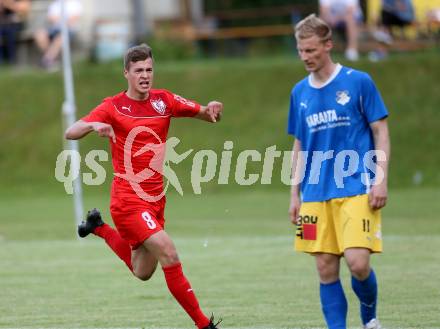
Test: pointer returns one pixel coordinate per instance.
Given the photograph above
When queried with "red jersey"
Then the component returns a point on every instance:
(141, 129)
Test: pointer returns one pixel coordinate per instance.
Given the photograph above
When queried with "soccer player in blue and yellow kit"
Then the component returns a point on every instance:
(340, 169)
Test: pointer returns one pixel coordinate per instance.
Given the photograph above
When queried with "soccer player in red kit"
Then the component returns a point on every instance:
(136, 121)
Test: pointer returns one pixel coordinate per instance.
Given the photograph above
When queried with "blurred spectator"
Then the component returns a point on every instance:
(433, 18)
(12, 15)
(49, 39)
(395, 13)
(433, 15)
(344, 15)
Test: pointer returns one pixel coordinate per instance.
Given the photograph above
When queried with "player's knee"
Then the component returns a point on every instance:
(327, 275)
(164, 250)
(328, 269)
(144, 275)
(169, 256)
(359, 269)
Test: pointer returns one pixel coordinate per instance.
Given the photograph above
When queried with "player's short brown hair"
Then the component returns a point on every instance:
(313, 26)
(136, 54)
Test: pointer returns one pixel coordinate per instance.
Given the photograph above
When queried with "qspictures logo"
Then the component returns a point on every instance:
(225, 167)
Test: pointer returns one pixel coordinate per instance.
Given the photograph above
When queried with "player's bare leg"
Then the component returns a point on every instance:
(358, 262)
(144, 263)
(333, 301)
(162, 247)
(364, 284)
(328, 267)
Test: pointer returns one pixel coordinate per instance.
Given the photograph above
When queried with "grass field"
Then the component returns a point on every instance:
(235, 241)
(236, 250)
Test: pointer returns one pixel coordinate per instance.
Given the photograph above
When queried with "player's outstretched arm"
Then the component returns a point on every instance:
(211, 112)
(81, 128)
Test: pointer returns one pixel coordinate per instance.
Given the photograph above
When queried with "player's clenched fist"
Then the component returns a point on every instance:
(104, 130)
(214, 110)
(377, 197)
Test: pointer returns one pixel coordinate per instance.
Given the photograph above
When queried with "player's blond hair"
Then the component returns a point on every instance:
(136, 54)
(313, 26)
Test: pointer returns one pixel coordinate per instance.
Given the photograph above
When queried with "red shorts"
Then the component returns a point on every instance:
(135, 219)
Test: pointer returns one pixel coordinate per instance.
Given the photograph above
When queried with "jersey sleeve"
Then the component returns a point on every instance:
(294, 121)
(372, 104)
(182, 107)
(101, 113)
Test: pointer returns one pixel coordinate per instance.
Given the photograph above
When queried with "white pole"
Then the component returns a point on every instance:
(69, 110)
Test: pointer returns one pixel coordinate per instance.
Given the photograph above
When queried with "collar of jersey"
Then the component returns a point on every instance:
(140, 101)
(330, 79)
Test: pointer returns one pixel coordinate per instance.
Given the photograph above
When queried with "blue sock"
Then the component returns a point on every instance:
(367, 293)
(334, 304)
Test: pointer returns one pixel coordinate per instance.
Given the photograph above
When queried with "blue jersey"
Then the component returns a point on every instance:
(333, 124)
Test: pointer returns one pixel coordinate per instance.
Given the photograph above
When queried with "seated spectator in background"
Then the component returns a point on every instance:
(399, 13)
(49, 39)
(12, 15)
(394, 13)
(433, 16)
(344, 15)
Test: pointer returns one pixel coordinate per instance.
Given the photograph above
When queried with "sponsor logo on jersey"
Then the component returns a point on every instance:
(342, 97)
(316, 119)
(128, 108)
(159, 105)
(303, 104)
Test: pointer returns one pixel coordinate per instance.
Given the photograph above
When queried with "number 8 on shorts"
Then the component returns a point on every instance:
(150, 222)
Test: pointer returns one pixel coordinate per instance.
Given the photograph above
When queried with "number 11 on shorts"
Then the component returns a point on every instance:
(366, 225)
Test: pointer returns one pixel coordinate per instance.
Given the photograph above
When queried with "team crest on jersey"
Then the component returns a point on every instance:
(342, 97)
(159, 105)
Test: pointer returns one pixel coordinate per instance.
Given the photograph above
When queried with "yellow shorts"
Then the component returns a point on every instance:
(337, 224)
